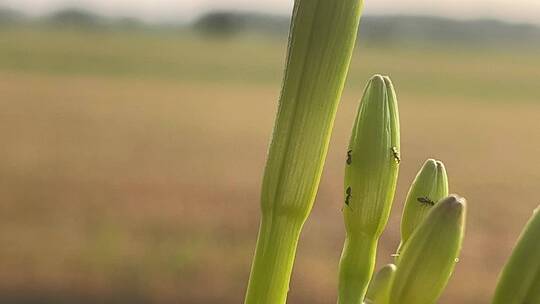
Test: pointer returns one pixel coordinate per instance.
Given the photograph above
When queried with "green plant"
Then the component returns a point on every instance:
(429, 186)
(519, 282)
(320, 47)
(321, 41)
(429, 256)
(432, 231)
(379, 287)
(370, 180)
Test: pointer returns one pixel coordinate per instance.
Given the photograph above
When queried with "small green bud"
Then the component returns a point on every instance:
(429, 256)
(379, 288)
(370, 180)
(519, 282)
(429, 186)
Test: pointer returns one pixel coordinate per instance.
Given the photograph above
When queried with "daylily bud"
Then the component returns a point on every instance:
(379, 288)
(519, 282)
(429, 186)
(370, 181)
(429, 256)
(372, 160)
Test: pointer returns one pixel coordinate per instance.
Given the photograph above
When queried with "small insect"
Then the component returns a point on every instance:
(349, 157)
(426, 200)
(397, 157)
(348, 197)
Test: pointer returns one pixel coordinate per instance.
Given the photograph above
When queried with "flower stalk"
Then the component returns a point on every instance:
(321, 41)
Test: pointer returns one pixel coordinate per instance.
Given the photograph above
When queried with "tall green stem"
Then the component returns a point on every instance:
(321, 42)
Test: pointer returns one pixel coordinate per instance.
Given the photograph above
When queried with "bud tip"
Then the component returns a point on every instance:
(454, 202)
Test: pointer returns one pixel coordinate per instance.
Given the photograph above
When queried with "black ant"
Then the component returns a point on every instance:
(397, 157)
(349, 157)
(348, 197)
(426, 200)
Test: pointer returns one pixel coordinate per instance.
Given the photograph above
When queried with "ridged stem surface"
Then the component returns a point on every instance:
(276, 246)
(321, 42)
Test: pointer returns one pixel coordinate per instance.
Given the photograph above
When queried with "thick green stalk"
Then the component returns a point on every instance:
(379, 287)
(429, 186)
(370, 181)
(321, 41)
(519, 282)
(356, 266)
(429, 256)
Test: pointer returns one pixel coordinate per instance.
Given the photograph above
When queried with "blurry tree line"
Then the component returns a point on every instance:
(385, 29)
(373, 30)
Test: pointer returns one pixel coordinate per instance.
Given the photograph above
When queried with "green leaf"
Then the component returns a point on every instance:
(519, 282)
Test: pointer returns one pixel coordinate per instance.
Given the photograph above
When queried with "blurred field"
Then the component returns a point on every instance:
(131, 162)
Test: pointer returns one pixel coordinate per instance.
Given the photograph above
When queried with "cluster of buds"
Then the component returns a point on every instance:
(321, 42)
(428, 258)
(432, 225)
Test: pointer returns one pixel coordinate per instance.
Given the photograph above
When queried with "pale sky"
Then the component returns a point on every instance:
(170, 10)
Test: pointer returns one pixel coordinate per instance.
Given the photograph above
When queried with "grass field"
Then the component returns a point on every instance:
(131, 162)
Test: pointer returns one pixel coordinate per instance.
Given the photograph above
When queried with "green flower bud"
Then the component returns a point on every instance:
(519, 282)
(379, 288)
(429, 256)
(370, 180)
(429, 186)
(372, 160)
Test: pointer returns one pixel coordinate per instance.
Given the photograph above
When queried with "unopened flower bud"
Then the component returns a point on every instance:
(371, 172)
(429, 186)
(429, 256)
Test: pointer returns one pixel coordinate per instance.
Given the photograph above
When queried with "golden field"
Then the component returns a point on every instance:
(131, 162)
